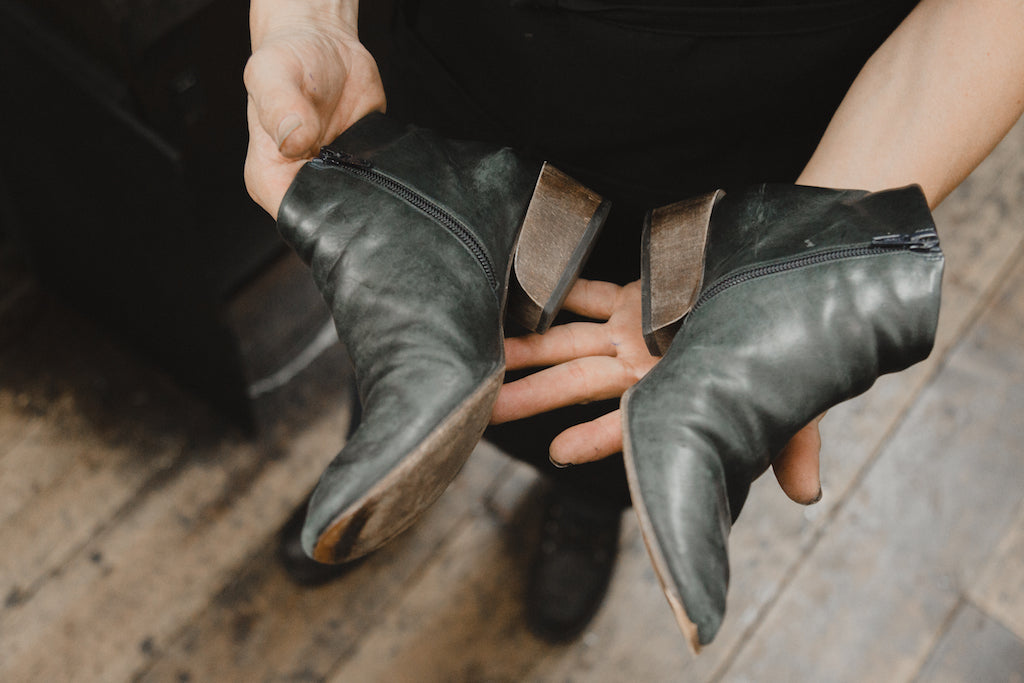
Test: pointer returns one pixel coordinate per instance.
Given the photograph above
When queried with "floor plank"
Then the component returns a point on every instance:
(151, 573)
(136, 553)
(976, 648)
(462, 618)
(263, 627)
(633, 638)
(71, 461)
(1000, 590)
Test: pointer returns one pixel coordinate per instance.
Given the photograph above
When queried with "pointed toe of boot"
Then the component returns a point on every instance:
(680, 498)
(399, 461)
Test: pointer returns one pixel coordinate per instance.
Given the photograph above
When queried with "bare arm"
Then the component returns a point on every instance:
(931, 103)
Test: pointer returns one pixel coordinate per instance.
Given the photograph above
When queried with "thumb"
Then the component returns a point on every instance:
(797, 467)
(284, 111)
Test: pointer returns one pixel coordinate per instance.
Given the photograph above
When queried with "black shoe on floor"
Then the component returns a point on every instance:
(579, 542)
(302, 569)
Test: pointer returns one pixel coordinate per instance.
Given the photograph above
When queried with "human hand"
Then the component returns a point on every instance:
(591, 361)
(309, 78)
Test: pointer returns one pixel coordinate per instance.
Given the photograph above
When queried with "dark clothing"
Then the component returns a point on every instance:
(647, 103)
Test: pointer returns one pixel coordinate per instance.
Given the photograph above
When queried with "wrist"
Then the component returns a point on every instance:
(269, 16)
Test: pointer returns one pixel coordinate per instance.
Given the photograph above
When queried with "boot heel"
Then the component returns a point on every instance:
(561, 226)
(672, 266)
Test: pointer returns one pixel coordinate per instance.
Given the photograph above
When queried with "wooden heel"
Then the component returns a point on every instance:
(561, 225)
(672, 266)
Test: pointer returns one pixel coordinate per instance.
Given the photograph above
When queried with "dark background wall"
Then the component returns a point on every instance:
(121, 176)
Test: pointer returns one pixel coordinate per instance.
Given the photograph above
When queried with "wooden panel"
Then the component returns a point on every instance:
(20, 477)
(72, 463)
(148, 563)
(633, 638)
(1000, 590)
(976, 648)
(876, 591)
(61, 486)
(264, 627)
(21, 407)
(462, 618)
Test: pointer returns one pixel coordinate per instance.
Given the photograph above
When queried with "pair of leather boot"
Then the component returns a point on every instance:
(773, 304)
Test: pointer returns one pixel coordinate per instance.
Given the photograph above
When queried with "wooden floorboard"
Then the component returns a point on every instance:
(1000, 590)
(263, 627)
(138, 530)
(976, 648)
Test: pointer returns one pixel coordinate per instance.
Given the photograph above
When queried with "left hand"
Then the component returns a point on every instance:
(309, 78)
(591, 361)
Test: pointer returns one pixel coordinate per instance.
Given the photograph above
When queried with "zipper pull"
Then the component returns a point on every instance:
(926, 240)
(337, 158)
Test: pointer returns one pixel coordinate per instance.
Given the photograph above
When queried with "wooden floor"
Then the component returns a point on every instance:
(137, 530)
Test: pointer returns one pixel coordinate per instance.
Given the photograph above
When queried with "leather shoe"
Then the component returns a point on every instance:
(579, 543)
(798, 298)
(410, 238)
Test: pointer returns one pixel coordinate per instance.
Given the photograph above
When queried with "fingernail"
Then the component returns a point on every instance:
(559, 465)
(287, 127)
(816, 498)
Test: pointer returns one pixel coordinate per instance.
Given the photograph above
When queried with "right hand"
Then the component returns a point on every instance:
(308, 80)
(592, 361)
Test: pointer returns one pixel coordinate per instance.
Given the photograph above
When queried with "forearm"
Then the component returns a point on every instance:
(931, 103)
(266, 16)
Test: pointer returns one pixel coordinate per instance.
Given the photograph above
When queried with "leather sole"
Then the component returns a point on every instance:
(661, 568)
(395, 502)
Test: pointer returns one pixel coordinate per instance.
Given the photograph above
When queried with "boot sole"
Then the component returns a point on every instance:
(661, 568)
(394, 502)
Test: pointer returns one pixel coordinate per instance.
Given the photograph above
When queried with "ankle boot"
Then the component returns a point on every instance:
(793, 299)
(410, 238)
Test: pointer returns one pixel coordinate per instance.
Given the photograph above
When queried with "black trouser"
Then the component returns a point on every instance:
(646, 106)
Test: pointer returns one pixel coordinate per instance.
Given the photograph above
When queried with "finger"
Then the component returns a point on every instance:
(285, 112)
(559, 344)
(797, 467)
(592, 299)
(267, 175)
(589, 441)
(579, 381)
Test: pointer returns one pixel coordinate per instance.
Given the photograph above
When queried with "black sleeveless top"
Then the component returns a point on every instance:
(647, 102)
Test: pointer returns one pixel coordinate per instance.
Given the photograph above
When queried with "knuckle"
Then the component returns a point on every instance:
(580, 381)
(251, 71)
(572, 337)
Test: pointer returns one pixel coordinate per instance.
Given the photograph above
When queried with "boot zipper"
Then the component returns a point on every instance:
(364, 169)
(923, 241)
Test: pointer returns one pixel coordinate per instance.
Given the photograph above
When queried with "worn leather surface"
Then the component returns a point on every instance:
(410, 302)
(757, 362)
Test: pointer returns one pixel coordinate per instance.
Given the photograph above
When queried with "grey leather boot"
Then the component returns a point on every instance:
(411, 238)
(792, 300)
